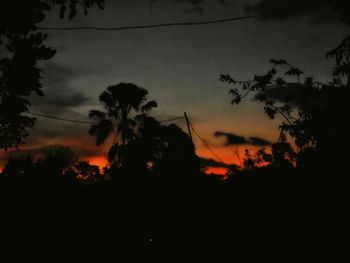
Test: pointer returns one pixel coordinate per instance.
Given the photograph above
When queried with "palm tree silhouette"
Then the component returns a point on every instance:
(124, 103)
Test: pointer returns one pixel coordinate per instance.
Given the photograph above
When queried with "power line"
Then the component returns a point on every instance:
(205, 144)
(175, 119)
(206, 22)
(84, 122)
(58, 118)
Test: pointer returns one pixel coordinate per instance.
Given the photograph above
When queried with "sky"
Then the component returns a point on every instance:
(179, 66)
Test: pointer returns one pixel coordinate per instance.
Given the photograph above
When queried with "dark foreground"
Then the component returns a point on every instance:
(260, 218)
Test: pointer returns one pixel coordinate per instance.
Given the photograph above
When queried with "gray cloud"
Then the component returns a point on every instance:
(202, 2)
(195, 10)
(197, 6)
(226, 3)
(291, 93)
(59, 94)
(234, 139)
(231, 138)
(205, 163)
(317, 10)
(36, 152)
(86, 151)
(193, 2)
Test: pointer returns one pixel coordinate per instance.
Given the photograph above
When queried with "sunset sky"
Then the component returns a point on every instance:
(179, 66)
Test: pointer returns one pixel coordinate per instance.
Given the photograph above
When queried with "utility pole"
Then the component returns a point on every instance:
(188, 127)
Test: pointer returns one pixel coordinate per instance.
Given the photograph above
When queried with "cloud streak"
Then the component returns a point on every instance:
(231, 138)
(317, 10)
(197, 6)
(257, 141)
(234, 139)
(207, 162)
(84, 149)
(58, 90)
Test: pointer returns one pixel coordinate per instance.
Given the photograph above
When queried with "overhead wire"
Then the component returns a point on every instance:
(175, 119)
(58, 118)
(206, 144)
(121, 28)
(81, 121)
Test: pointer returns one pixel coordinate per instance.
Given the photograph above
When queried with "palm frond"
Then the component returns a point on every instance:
(113, 152)
(149, 106)
(128, 94)
(97, 115)
(107, 100)
(101, 130)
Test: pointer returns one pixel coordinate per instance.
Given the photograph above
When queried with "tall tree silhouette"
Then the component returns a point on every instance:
(123, 103)
(22, 46)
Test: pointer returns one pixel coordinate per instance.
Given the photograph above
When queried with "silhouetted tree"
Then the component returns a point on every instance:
(123, 103)
(20, 166)
(22, 46)
(142, 146)
(51, 174)
(55, 169)
(168, 151)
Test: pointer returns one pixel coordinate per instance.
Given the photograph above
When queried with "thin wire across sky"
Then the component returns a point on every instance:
(84, 122)
(121, 28)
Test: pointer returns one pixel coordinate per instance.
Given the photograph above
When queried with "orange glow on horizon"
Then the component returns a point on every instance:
(216, 170)
(228, 154)
(100, 161)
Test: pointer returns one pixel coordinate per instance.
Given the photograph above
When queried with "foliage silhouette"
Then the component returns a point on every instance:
(51, 174)
(86, 171)
(313, 112)
(22, 47)
(342, 57)
(142, 147)
(169, 151)
(125, 103)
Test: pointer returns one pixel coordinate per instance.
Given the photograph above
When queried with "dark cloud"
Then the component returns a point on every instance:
(59, 93)
(231, 138)
(204, 162)
(202, 2)
(226, 3)
(84, 150)
(292, 93)
(195, 10)
(257, 141)
(318, 10)
(198, 5)
(36, 152)
(193, 2)
(48, 129)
